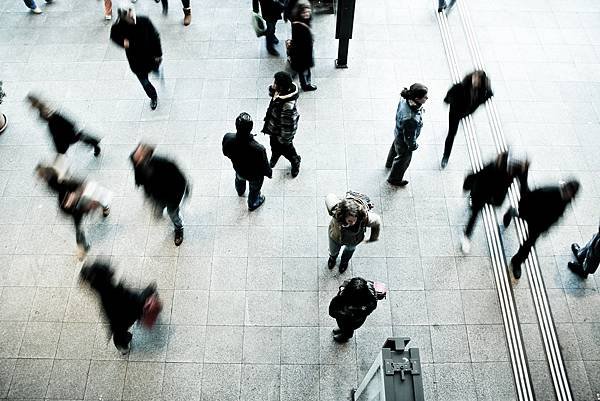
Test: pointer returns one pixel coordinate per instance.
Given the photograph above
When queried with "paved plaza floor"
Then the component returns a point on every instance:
(246, 294)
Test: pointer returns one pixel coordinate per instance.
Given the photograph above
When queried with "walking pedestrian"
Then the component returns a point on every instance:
(32, 5)
(77, 199)
(63, 131)
(490, 185)
(281, 121)
(163, 183)
(356, 299)
(350, 218)
(540, 208)
(141, 41)
(271, 12)
(301, 46)
(122, 306)
(587, 258)
(249, 159)
(408, 128)
(464, 98)
(187, 10)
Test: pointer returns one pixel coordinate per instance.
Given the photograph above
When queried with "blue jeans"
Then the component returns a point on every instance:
(30, 4)
(255, 186)
(334, 250)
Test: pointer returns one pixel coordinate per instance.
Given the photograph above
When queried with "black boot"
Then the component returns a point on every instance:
(296, 166)
(331, 262)
(516, 268)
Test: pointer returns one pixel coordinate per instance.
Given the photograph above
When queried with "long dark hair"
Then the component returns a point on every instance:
(357, 292)
(349, 207)
(416, 91)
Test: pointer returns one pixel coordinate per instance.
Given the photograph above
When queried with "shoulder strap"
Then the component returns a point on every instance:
(301, 23)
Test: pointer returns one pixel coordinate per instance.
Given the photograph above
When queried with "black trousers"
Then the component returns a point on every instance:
(524, 249)
(165, 4)
(255, 186)
(454, 118)
(304, 77)
(347, 327)
(270, 34)
(147, 85)
(475, 209)
(398, 159)
(88, 139)
(286, 150)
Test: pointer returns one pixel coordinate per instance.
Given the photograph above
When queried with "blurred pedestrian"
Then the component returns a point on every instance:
(249, 159)
(540, 208)
(122, 306)
(63, 131)
(163, 183)
(443, 5)
(490, 185)
(187, 10)
(301, 46)
(281, 121)
(356, 299)
(77, 199)
(350, 218)
(31, 4)
(464, 98)
(587, 258)
(141, 41)
(408, 128)
(271, 12)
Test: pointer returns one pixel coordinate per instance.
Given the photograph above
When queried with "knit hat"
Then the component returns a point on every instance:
(283, 80)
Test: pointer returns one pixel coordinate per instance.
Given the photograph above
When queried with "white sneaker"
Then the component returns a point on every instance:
(36, 10)
(108, 17)
(465, 245)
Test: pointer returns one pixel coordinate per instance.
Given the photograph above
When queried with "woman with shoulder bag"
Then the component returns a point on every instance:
(301, 46)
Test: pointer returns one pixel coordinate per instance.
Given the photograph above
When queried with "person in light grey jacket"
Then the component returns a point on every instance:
(349, 222)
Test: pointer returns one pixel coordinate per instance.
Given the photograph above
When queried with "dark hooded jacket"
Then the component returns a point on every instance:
(491, 183)
(542, 207)
(162, 180)
(249, 158)
(63, 131)
(352, 312)
(301, 51)
(464, 99)
(269, 9)
(281, 119)
(144, 43)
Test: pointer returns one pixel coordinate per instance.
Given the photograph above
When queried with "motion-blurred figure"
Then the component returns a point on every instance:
(490, 185)
(408, 128)
(443, 5)
(31, 4)
(141, 41)
(464, 98)
(122, 306)
(163, 183)
(187, 10)
(356, 299)
(540, 208)
(249, 159)
(587, 257)
(77, 199)
(301, 49)
(271, 12)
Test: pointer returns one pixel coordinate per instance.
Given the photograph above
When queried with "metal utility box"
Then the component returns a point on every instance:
(395, 375)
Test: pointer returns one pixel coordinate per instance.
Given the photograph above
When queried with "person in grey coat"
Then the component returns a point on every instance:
(587, 257)
(408, 128)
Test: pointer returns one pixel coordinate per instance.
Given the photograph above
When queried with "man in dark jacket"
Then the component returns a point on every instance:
(141, 41)
(122, 306)
(464, 98)
(490, 185)
(271, 12)
(63, 131)
(301, 50)
(540, 208)
(587, 258)
(249, 159)
(356, 299)
(281, 121)
(163, 182)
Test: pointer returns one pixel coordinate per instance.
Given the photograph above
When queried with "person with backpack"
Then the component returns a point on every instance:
(249, 159)
(281, 121)
(464, 98)
(121, 305)
(356, 299)
(408, 127)
(350, 218)
(271, 11)
(301, 46)
(587, 258)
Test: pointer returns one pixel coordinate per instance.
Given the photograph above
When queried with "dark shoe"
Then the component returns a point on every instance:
(508, 217)
(575, 249)
(331, 262)
(273, 52)
(154, 103)
(273, 161)
(257, 204)
(398, 183)
(187, 16)
(296, 166)
(336, 331)
(309, 88)
(178, 237)
(444, 163)
(441, 9)
(577, 269)
(96, 151)
(339, 338)
(106, 211)
(343, 267)
(516, 268)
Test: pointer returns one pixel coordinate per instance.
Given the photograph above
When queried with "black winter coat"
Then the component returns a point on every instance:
(63, 132)
(63, 188)
(144, 43)
(301, 52)
(281, 119)
(269, 9)
(542, 207)
(249, 158)
(490, 184)
(162, 180)
(463, 100)
(352, 316)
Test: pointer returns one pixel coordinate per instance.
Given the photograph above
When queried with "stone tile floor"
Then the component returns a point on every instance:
(247, 293)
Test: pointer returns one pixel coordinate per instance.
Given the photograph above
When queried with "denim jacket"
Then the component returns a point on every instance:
(408, 125)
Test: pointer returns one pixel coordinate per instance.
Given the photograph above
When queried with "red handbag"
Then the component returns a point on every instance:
(152, 308)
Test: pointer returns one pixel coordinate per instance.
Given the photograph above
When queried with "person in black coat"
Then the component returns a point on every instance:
(163, 183)
(490, 185)
(249, 159)
(301, 50)
(540, 208)
(122, 306)
(464, 98)
(141, 41)
(271, 12)
(587, 258)
(63, 131)
(355, 301)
